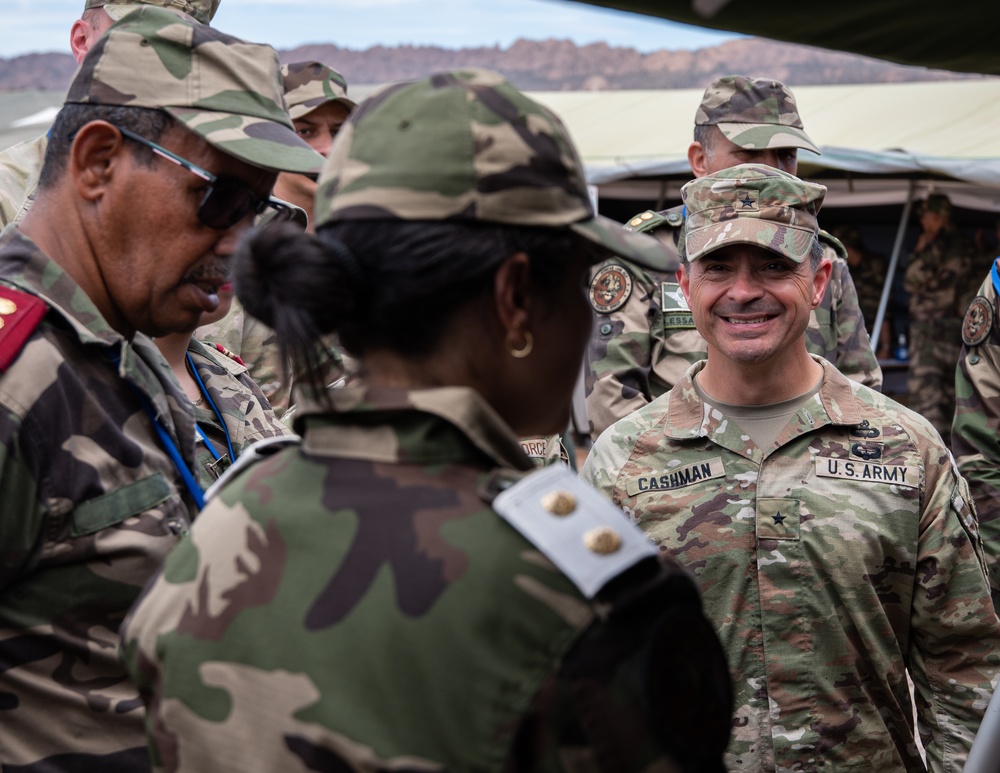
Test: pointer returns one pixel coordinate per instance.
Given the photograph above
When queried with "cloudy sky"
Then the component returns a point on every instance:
(34, 26)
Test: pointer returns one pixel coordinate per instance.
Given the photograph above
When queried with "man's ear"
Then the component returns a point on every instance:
(820, 280)
(512, 296)
(683, 280)
(97, 152)
(698, 159)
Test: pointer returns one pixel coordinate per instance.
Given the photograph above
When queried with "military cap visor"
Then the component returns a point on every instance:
(792, 242)
(766, 136)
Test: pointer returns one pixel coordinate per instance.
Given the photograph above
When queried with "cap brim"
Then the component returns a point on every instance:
(298, 111)
(763, 136)
(260, 142)
(794, 242)
(645, 250)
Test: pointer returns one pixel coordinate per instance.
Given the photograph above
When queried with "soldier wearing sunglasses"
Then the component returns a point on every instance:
(165, 151)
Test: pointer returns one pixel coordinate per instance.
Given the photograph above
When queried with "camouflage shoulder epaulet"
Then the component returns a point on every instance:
(223, 350)
(575, 526)
(20, 314)
(257, 452)
(651, 220)
(827, 239)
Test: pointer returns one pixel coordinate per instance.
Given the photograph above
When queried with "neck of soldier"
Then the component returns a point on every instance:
(776, 379)
(173, 347)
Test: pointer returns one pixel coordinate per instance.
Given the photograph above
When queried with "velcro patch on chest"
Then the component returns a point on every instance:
(778, 519)
(680, 477)
(674, 306)
(867, 472)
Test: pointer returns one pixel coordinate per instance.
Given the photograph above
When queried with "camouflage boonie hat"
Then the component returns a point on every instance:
(754, 113)
(311, 84)
(466, 146)
(936, 202)
(200, 10)
(751, 204)
(225, 90)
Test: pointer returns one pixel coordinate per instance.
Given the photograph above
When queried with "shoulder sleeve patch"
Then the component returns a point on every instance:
(574, 526)
(610, 288)
(20, 314)
(978, 321)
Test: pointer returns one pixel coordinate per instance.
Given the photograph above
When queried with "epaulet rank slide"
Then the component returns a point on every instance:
(575, 526)
(20, 314)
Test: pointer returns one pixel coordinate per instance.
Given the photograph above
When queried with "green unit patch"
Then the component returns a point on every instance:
(867, 472)
(680, 477)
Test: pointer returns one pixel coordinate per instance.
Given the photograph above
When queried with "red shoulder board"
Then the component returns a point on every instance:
(20, 314)
(229, 354)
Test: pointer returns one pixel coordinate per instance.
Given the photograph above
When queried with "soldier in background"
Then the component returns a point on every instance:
(868, 271)
(442, 607)
(834, 541)
(935, 274)
(645, 339)
(149, 181)
(316, 96)
(21, 164)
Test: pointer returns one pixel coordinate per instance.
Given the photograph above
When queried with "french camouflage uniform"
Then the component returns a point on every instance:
(933, 279)
(644, 339)
(975, 438)
(245, 414)
(20, 166)
(834, 564)
(90, 507)
(407, 526)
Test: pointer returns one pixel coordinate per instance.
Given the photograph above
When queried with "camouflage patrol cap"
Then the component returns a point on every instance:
(200, 10)
(754, 113)
(466, 146)
(751, 204)
(311, 84)
(225, 90)
(937, 202)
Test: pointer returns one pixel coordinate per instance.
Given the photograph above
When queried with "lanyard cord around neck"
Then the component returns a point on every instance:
(190, 483)
(215, 410)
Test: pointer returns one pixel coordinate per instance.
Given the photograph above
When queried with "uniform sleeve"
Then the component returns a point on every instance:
(619, 357)
(21, 514)
(855, 358)
(976, 428)
(608, 456)
(955, 643)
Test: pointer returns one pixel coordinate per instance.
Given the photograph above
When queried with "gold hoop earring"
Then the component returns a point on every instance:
(524, 351)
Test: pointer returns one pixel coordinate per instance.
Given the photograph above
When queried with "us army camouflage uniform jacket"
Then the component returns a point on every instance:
(831, 564)
(641, 349)
(20, 166)
(975, 436)
(418, 630)
(247, 415)
(89, 507)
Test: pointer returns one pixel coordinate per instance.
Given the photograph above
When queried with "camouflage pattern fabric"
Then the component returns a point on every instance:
(544, 450)
(833, 565)
(419, 631)
(201, 11)
(975, 438)
(466, 146)
(754, 113)
(933, 277)
(311, 84)
(247, 415)
(640, 350)
(226, 90)
(90, 507)
(20, 166)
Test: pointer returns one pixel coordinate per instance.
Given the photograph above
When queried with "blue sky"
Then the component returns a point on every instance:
(35, 26)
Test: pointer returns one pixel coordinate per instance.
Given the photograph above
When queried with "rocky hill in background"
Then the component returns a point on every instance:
(555, 65)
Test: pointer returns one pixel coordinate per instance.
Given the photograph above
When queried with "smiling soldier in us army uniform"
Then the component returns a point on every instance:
(833, 539)
(645, 338)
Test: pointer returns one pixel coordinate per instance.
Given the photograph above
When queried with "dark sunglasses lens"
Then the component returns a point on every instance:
(226, 203)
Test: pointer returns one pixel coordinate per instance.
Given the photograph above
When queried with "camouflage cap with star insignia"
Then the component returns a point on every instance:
(751, 204)
(467, 146)
(201, 11)
(754, 113)
(311, 84)
(226, 90)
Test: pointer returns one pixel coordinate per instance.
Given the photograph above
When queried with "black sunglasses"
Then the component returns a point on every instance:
(227, 201)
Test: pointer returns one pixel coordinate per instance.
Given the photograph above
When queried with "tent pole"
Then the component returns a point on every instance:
(893, 261)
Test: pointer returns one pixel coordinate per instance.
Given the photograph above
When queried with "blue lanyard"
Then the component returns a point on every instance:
(996, 276)
(215, 410)
(190, 483)
(207, 442)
